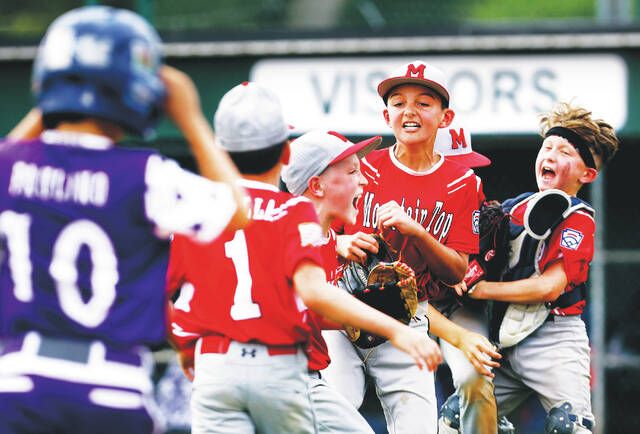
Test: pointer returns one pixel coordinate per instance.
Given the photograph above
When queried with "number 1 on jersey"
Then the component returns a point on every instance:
(243, 306)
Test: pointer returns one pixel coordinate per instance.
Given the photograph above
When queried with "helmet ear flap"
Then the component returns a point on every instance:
(101, 62)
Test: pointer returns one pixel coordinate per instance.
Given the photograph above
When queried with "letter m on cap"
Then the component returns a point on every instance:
(413, 71)
(457, 138)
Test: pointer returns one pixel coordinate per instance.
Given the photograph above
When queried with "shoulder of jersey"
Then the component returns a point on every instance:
(138, 150)
(455, 167)
(282, 199)
(457, 176)
(370, 164)
(9, 145)
(580, 218)
(375, 156)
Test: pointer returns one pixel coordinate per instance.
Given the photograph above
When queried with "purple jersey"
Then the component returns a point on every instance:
(83, 226)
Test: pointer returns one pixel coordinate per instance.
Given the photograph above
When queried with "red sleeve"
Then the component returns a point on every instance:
(338, 226)
(573, 242)
(463, 235)
(331, 263)
(303, 237)
(481, 195)
(182, 333)
(175, 269)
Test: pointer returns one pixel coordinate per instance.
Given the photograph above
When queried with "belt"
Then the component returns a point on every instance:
(217, 344)
(557, 318)
(72, 350)
(588, 424)
(315, 374)
(76, 361)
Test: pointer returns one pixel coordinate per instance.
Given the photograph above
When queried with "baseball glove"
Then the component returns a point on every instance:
(388, 286)
(492, 258)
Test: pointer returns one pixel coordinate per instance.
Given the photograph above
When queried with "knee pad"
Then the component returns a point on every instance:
(561, 420)
(450, 414)
(505, 426)
(558, 420)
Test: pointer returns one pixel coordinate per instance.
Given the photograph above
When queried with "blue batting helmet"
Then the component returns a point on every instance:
(101, 62)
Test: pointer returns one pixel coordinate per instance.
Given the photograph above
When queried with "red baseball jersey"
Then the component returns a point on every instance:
(479, 184)
(317, 350)
(444, 200)
(480, 187)
(240, 285)
(572, 241)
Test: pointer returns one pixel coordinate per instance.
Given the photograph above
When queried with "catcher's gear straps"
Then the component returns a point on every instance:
(526, 252)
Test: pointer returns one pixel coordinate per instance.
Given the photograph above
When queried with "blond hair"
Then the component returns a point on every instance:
(601, 136)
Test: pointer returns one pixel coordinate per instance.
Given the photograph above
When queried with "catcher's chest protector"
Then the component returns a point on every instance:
(524, 248)
(525, 252)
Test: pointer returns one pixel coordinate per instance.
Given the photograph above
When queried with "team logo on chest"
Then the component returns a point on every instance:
(435, 220)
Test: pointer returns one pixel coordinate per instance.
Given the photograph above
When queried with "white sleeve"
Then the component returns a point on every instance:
(179, 201)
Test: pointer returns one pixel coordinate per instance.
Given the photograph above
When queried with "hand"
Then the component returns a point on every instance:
(459, 288)
(424, 351)
(183, 107)
(186, 360)
(183, 103)
(480, 352)
(474, 291)
(392, 215)
(354, 247)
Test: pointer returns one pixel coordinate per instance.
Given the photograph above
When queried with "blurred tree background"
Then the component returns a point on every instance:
(27, 19)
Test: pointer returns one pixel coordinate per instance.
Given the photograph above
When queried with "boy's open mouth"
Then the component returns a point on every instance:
(356, 199)
(547, 172)
(410, 125)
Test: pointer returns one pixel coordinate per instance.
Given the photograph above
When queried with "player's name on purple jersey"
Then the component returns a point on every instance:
(84, 187)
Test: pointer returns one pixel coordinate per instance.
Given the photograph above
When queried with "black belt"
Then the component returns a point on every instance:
(315, 374)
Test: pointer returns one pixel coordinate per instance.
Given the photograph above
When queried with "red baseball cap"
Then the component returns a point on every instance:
(454, 142)
(416, 72)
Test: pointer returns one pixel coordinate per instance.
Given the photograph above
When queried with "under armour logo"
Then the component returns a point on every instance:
(246, 352)
(415, 71)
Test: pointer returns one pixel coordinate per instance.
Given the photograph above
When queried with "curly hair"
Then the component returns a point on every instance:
(601, 136)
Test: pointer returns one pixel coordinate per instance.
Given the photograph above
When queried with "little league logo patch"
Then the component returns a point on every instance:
(476, 222)
(571, 239)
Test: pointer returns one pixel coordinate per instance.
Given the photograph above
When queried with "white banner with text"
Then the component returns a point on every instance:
(493, 94)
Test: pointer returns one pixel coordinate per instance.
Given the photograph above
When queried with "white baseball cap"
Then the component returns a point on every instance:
(455, 142)
(314, 151)
(249, 118)
(416, 72)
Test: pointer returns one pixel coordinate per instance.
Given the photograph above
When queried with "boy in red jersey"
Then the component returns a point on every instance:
(325, 168)
(413, 194)
(244, 302)
(454, 142)
(547, 347)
